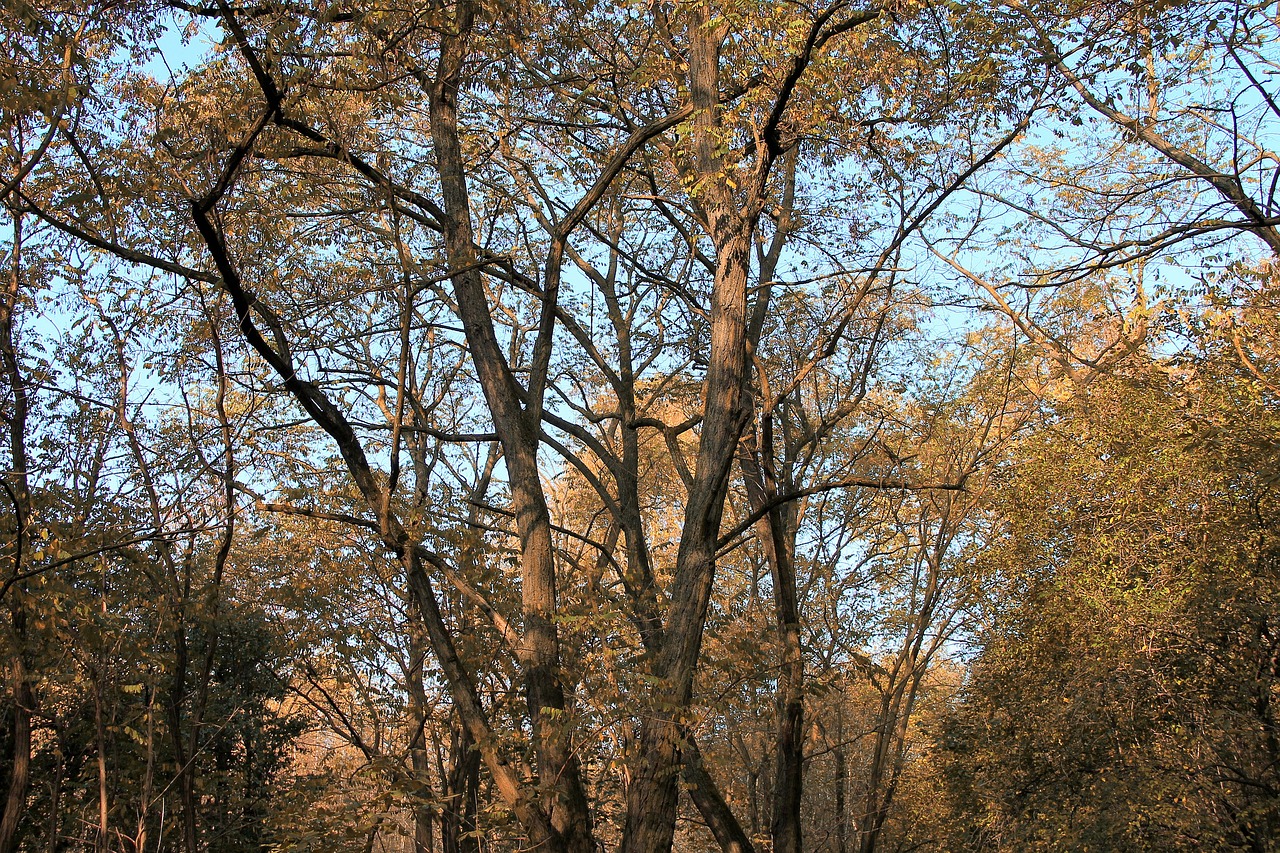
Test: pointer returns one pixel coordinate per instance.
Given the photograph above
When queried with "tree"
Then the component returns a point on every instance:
(1122, 695)
(601, 325)
(1179, 94)
(726, 191)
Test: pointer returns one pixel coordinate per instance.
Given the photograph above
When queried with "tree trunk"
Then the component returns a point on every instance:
(185, 769)
(652, 800)
(560, 776)
(841, 772)
(777, 542)
(20, 493)
(461, 794)
(55, 804)
(711, 804)
(20, 751)
(100, 740)
(423, 808)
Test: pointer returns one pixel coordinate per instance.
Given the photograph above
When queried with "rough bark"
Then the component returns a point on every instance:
(558, 767)
(652, 798)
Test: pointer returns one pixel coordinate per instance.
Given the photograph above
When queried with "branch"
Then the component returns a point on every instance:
(1227, 185)
(886, 483)
(122, 252)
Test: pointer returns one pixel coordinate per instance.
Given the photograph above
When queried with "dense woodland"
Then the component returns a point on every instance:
(649, 425)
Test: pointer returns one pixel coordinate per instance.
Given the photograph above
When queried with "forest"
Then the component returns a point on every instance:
(759, 426)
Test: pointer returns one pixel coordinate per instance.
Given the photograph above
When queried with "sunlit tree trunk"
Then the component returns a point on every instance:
(518, 433)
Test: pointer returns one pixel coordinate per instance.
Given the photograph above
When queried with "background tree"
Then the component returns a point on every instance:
(1123, 692)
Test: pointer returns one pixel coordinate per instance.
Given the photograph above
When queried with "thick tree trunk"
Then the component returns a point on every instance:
(560, 776)
(652, 800)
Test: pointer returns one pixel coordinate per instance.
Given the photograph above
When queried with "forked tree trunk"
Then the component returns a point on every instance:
(560, 776)
(652, 800)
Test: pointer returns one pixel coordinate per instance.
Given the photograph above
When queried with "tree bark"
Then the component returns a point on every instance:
(423, 809)
(777, 542)
(462, 790)
(652, 799)
(185, 766)
(20, 752)
(560, 776)
(841, 773)
(711, 804)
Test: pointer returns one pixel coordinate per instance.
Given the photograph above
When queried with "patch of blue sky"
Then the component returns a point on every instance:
(184, 42)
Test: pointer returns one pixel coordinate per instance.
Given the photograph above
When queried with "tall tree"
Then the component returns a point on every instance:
(414, 214)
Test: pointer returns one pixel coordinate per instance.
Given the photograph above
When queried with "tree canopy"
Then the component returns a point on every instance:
(572, 425)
